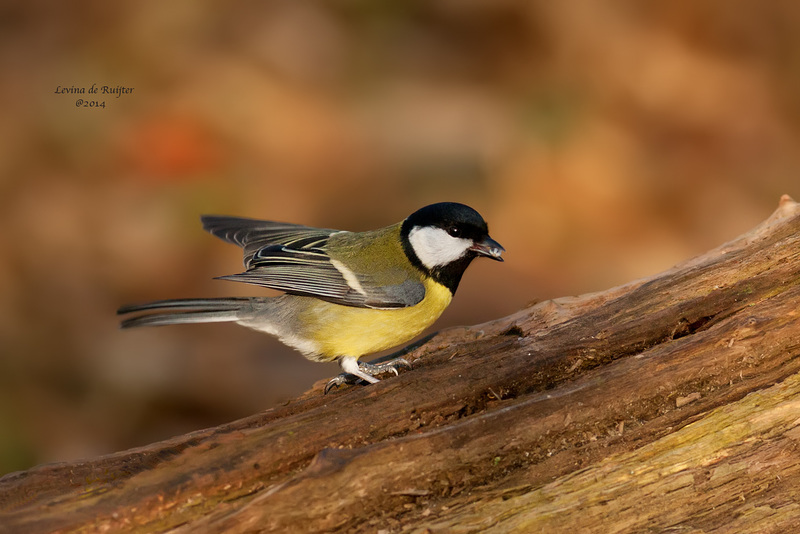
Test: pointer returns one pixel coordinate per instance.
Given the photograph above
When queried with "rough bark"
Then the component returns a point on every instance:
(668, 403)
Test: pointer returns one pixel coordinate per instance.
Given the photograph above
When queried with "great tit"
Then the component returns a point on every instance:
(346, 294)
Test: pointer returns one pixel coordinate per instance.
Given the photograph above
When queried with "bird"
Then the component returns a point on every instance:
(345, 294)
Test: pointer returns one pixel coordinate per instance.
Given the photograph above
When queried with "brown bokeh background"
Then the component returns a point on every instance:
(602, 141)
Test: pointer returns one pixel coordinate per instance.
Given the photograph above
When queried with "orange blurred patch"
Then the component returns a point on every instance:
(172, 148)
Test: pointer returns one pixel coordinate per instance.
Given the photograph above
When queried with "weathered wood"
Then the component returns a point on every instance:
(735, 468)
(669, 402)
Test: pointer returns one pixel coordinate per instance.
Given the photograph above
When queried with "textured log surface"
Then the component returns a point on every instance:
(670, 403)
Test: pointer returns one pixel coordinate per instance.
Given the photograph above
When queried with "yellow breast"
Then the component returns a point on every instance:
(343, 330)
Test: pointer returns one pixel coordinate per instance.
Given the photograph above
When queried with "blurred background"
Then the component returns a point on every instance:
(603, 142)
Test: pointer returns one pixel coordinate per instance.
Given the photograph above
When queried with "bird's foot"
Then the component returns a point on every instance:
(340, 380)
(355, 370)
(392, 365)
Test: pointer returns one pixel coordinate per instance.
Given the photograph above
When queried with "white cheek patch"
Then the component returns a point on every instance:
(434, 247)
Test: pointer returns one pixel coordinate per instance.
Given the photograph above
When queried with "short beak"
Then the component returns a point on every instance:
(489, 248)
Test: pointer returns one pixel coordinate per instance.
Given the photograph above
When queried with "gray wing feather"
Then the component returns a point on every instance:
(253, 235)
(292, 258)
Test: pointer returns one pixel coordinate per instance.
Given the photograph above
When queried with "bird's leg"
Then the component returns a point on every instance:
(364, 370)
(350, 366)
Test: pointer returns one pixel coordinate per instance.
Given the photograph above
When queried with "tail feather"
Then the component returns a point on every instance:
(181, 311)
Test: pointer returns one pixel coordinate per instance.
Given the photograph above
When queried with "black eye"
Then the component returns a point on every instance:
(454, 231)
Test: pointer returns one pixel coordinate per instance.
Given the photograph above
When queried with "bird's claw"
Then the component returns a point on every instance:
(337, 381)
(371, 369)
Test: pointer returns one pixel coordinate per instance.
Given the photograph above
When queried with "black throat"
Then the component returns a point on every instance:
(450, 274)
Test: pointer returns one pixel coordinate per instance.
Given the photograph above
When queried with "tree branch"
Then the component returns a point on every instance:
(667, 402)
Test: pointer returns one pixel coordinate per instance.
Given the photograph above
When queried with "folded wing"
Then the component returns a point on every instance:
(293, 258)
